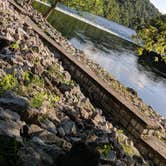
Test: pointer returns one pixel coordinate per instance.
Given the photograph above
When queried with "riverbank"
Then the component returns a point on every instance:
(52, 105)
(116, 56)
(42, 111)
(130, 97)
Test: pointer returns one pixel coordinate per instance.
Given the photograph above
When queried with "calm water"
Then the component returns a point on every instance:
(116, 56)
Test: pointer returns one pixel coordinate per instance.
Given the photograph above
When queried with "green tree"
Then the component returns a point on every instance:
(153, 35)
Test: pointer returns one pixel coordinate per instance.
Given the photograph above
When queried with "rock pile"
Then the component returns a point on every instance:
(44, 116)
(128, 93)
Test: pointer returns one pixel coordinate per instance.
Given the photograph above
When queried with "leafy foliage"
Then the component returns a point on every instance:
(37, 81)
(105, 149)
(129, 150)
(15, 46)
(9, 82)
(38, 100)
(153, 34)
(40, 97)
(53, 99)
(27, 78)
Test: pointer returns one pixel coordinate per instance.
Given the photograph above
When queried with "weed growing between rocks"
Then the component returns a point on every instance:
(9, 82)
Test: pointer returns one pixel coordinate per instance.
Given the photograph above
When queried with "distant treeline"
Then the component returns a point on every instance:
(138, 14)
(127, 12)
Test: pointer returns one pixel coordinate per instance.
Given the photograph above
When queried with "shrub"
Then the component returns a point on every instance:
(38, 81)
(105, 149)
(9, 82)
(53, 99)
(37, 100)
(15, 46)
(26, 76)
(53, 69)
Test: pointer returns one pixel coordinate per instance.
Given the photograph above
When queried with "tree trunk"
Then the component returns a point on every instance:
(46, 15)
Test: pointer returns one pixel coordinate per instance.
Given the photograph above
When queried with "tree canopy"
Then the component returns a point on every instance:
(153, 34)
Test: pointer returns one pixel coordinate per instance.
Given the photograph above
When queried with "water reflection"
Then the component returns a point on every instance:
(124, 67)
(117, 57)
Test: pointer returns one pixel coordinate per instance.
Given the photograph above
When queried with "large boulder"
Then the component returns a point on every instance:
(69, 127)
(10, 128)
(10, 124)
(14, 102)
(9, 115)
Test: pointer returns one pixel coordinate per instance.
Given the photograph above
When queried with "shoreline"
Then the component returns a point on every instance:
(97, 69)
(48, 100)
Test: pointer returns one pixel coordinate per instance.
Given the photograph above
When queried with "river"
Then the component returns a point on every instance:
(116, 55)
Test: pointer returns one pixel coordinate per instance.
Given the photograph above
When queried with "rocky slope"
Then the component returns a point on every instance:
(128, 93)
(43, 113)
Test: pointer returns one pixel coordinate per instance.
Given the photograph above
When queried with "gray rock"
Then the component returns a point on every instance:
(67, 76)
(38, 141)
(75, 139)
(85, 113)
(138, 159)
(34, 155)
(10, 128)
(35, 129)
(64, 87)
(11, 101)
(120, 163)
(98, 119)
(129, 161)
(103, 140)
(9, 115)
(4, 42)
(50, 126)
(61, 132)
(50, 138)
(111, 157)
(69, 127)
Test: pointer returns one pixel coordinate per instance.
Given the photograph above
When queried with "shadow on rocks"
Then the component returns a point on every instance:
(80, 154)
